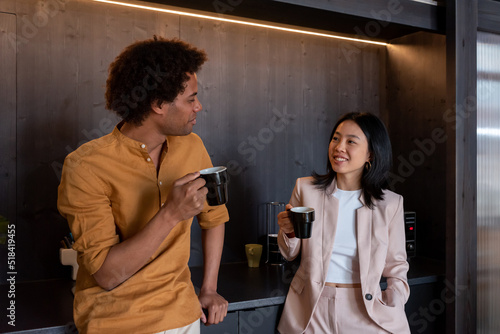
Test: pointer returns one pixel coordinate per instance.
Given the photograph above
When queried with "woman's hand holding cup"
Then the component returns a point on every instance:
(285, 223)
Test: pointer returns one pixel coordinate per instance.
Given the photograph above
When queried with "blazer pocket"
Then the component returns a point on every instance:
(297, 284)
(391, 298)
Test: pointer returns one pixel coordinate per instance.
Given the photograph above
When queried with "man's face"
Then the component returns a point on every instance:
(180, 116)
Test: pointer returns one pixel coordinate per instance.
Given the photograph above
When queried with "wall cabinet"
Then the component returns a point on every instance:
(229, 325)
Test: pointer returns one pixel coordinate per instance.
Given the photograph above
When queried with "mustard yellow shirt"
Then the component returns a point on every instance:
(109, 191)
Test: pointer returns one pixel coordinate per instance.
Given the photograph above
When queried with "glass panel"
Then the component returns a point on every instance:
(488, 183)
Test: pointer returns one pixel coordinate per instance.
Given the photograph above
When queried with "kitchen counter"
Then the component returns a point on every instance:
(46, 306)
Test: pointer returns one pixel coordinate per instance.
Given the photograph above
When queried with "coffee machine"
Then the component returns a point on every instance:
(411, 234)
(273, 255)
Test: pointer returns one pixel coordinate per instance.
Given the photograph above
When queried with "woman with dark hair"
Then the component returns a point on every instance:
(357, 238)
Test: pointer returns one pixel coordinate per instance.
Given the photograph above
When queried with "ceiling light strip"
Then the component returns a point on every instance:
(214, 18)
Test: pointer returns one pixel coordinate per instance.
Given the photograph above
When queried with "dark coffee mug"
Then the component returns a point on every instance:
(216, 182)
(302, 219)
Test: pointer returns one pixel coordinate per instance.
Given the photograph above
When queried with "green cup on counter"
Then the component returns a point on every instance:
(253, 252)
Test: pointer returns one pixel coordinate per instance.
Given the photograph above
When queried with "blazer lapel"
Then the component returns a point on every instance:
(330, 215)
(363, 233)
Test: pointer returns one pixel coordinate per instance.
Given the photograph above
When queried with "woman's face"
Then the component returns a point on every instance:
(348, 151)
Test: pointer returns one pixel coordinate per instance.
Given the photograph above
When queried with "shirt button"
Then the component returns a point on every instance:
(143, 146)
(162, 204)
(148, 159)
(368, 296)
(161, 183)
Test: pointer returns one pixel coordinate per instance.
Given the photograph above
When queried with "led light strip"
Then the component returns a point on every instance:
(214, 18)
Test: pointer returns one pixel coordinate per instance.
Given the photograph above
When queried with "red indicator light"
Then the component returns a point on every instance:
(411, 228)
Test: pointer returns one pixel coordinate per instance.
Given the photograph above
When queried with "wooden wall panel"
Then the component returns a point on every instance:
(461, 234)
(488, 16)
(47, 96)
(8, 116)
(63, 69)
(7, 129)
(269, 108)
(270, 100)
(414, 13)
(416, 103)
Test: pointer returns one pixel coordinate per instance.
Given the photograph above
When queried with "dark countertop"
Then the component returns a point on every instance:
(39, 305)
(46, 306)
(245, 287)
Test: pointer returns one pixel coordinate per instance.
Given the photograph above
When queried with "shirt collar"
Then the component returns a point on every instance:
(129, 142)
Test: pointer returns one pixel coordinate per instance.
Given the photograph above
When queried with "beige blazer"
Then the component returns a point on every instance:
(381, 250)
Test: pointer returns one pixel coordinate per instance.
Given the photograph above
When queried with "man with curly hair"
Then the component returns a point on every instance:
(130, 198)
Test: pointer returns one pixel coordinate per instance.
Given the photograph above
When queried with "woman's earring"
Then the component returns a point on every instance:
(368, 165)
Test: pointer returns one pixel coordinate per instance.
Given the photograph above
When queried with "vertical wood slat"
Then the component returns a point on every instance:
(416, 95)
(47, 92)
(8, 116)
(461, 234)
(466, 185)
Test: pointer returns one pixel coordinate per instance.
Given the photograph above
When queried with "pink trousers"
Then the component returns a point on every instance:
(341, 311)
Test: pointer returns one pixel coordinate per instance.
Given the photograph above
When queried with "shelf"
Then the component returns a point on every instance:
(376, 20)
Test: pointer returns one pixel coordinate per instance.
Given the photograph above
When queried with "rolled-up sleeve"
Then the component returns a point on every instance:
(82, 200)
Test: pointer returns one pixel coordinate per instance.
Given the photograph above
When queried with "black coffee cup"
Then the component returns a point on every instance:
(216, 182)
(302, 219)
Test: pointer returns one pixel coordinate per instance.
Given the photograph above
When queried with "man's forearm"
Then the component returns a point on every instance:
(128, 257)
(212, 243)
(187, 198)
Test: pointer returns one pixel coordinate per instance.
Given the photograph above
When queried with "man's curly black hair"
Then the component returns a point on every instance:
(147, 72)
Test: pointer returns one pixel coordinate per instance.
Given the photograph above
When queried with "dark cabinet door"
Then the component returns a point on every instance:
(228, 326)
(262, 320)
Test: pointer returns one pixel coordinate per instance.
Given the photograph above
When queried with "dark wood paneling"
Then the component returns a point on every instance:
(416, 103)
(461, 234)
(8, 116)
(270, 100)
(62, 74)
(489, 16)
(411, 13)
(47, 92)
(379, 19)
(7, 7)
(7, 130)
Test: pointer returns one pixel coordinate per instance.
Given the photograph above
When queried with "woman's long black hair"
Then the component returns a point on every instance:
(375, 179)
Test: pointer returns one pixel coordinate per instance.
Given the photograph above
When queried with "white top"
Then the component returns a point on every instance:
(344, 263)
